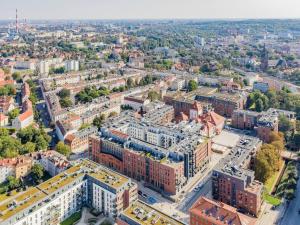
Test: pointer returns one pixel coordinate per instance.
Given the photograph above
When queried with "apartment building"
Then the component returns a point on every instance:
(71, 65)
(67, 126)
(163, 157)
(135, 102)
(16, 167)
(141, 213)
(26, 118)
(53, 162)
(244, 119)
(206, 211)
(233, 181)
(264, 123)
(85, 184)
(79, 141)
(224, 103)
(7, 103)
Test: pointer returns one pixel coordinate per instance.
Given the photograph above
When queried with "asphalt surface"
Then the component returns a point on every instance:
(291, 215)
(192, 197)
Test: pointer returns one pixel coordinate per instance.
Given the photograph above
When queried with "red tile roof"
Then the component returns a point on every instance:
(219, 213)
(25, 115)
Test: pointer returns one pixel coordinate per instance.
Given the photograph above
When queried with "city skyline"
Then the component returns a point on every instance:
(155, 9)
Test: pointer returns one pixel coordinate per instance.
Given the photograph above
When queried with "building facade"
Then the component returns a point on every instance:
(85, 184)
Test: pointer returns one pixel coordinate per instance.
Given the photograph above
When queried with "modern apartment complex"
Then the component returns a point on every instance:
(141, 213)
(233, 180)
(85, 184)
(164, 157)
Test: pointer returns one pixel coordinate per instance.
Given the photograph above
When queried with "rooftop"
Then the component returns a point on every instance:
(219, 213)
(33, 197)
(146, 215)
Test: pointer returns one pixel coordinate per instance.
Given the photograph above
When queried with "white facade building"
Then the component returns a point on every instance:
(85, 184)
(71, 65)
(43, 67)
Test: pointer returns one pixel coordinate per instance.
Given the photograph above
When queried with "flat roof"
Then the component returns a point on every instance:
(146, 215)
(17, 202)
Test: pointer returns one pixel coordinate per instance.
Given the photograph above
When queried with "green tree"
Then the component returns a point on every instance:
(64, 93)
(192, 85)
(13, 114)
(41, 143)
(284, 124)
(84, 125)
(267, 161)
(13, 182)
(153, 96)
(65, 102)
(262, 169)
(130, 82)
(63, 149)
(3, 132)
(259, 105)
(37, 172)
(97, 122)
(9, 147)
(29, 147)
(17, 76)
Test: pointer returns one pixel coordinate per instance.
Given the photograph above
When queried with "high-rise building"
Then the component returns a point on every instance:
(44, 68)
(71, 65)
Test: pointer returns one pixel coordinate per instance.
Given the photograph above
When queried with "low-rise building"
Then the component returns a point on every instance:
(7, 103)
(135, 102)
(207, 211)
(53, 162)
(3, 120)
(16, 167)
(264, 122)
(140, 213)
(261, 86)
(67, 126)
(79, 141)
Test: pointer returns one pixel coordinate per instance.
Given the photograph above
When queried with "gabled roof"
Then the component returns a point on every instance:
(219, 213)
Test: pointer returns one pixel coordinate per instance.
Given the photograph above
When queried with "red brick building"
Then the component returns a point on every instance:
(160, 174)
(224, 103)
(210, 212)
(244, 119)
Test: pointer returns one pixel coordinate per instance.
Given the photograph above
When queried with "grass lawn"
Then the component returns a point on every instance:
(72, 219)
(271, 181)
(271, 199)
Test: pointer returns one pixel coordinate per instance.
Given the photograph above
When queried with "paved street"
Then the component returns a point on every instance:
(291, 216)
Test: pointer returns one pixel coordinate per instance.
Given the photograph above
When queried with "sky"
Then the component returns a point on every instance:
(149, 9)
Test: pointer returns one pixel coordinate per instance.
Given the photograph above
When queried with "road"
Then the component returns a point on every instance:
(291, 216)
(192, 196)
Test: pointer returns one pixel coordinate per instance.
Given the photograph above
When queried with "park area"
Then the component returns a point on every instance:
(282, 184)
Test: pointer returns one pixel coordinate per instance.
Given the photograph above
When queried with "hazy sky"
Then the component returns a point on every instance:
(157, 9)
